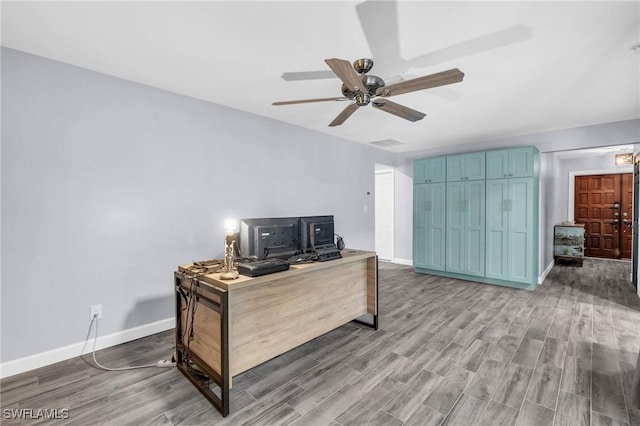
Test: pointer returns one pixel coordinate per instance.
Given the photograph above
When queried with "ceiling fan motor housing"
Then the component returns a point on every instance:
(363, 66)
(371, 83)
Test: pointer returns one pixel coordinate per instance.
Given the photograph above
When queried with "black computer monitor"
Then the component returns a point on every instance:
(315, 231)
(264, 238)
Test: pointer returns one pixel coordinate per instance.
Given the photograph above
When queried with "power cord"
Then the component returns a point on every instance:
(134, 367)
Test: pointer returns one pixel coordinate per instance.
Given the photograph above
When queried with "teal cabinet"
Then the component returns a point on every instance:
(511, 230)
(429, 226)
(465, 228)
(479, 221)
(465, 167)
(510, 163)
(430, 170)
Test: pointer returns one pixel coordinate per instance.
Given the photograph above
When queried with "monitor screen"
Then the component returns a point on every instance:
(315, 231)
(264, 238)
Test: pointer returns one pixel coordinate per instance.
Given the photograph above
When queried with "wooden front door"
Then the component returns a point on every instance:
(604, 204)
(626, 216)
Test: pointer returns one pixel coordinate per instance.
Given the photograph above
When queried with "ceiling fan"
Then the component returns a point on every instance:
(370, 89)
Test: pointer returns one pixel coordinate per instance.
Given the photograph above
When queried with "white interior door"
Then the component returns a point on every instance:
(384, 214)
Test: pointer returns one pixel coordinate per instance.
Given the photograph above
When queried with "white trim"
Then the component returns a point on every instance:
(42, 359)
(391, 171)
(542, 277)
(399, 261)
(387, 169)
(572, 184)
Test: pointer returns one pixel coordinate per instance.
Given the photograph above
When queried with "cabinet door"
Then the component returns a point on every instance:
(508, 163)
(474, 164)
(429, 226)
(521, 161)
(419, 171)
(522, 224)
(497, 228)
(455, 168)
(436, 169)
(465, 227)
(420, 225)
(429, 170)
(456, 218)
(474, 236)
(498, 164)
(466, 167)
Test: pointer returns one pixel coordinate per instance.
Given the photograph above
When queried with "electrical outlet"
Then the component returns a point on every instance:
(96, 310)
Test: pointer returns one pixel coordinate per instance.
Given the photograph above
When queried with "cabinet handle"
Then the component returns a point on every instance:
(505, 175)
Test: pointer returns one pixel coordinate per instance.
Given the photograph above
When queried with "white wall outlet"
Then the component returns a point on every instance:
(96, 310)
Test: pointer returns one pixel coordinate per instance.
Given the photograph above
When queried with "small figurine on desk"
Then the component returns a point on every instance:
(229, 273)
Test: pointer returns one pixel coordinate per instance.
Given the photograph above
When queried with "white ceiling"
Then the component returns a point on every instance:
(529, 66)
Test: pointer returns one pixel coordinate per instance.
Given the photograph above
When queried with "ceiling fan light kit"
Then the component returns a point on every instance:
(364, 89)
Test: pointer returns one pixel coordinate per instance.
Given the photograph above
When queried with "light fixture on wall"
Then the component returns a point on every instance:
(229, 240)
(624, 159)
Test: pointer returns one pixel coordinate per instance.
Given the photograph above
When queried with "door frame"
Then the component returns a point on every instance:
(572, 183)
(389, 170)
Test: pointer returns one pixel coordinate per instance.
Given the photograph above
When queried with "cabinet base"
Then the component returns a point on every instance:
(568, 259)
(483, 280)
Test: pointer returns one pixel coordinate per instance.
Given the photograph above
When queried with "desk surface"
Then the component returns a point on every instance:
(348, 255)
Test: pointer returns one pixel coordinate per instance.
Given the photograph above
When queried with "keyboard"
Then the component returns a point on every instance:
(262, 267)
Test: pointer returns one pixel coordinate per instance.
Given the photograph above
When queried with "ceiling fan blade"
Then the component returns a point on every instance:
(433, 80)
(307, 101)
(398, 110)
(379, 22)
(344, 70)
(501, 38)
(346, 113)
(307, 75)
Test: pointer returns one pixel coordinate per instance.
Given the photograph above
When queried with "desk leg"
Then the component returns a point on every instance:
(184, 357)
(372, 286)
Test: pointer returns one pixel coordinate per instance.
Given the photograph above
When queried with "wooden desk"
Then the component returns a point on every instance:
(232, 326)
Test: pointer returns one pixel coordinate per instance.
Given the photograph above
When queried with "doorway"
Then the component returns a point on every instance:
(604, 203)
(384, 211)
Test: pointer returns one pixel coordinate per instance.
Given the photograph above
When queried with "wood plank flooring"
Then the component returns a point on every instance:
(448, 352)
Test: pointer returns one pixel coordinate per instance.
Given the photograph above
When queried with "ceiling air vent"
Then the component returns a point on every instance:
(387, 143)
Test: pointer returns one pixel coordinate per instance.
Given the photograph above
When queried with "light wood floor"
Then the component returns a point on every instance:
(448, 352)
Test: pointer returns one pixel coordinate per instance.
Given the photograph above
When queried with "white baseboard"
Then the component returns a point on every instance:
(399, 261)
(545, 273)
(31, 362)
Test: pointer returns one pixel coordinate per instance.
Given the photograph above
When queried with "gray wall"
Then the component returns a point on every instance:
(108, 185)
(546, 210)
